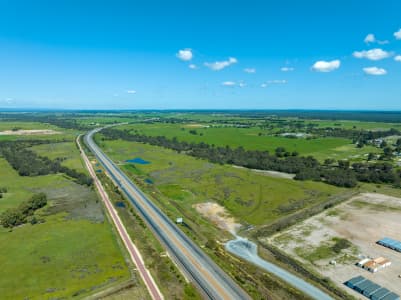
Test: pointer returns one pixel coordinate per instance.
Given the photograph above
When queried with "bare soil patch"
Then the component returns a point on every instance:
(29, 132)
(218, 215)
(270, 173)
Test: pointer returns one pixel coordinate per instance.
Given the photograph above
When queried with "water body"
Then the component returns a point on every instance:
(248, 250)
(149, 181)
(138, 160)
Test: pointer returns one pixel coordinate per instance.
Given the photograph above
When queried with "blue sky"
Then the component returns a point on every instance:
(244, 54)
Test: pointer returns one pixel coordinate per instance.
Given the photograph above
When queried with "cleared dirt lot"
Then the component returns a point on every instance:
(362, 221)
(29, 132)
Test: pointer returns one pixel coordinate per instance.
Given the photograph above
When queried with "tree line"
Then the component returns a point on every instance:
(28, 163)
(340, 174)
(3, 190)
(24, 213)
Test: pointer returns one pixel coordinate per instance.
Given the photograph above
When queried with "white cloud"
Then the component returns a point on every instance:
(326, 66)
(397, 34)
(240, 84)
(228, 83)
(220, 65)
(287, 69)
(370, 38)
(275, 81)
(185, 54)
(131, 92)
(192, 66)
(397, 58)
(373, 54)
(250, 70)
(374, 71)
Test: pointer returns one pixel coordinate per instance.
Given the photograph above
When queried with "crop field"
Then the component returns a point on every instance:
(73, 253)
(360, 222)
(249, 196)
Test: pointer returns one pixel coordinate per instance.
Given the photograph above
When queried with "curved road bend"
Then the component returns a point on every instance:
(132, 250)
(208, 277)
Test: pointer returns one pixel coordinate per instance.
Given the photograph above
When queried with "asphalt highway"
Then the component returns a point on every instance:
(210, 279)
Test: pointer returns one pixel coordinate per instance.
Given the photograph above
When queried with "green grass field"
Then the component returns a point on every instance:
(320, 148)
(235, 137)
(73, 253)
(253, 198)
(67, 150)
(59, 259)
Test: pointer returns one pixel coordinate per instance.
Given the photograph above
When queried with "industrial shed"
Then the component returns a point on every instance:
(390, 243)
(370, 289)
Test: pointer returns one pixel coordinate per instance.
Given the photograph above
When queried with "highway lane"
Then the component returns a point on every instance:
(207, 276)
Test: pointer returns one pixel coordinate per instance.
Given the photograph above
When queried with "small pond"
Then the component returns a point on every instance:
(138, 160)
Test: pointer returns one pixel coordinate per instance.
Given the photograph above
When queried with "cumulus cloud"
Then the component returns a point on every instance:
(287, 69)
(263, 85)
(131, 92)
(397, 34)
(192, 66)
(185, 54)
(375, 71)
(326, 66)
(220, 65)
(397, 58)
(373, 54)
(242, 84)
(250, 70)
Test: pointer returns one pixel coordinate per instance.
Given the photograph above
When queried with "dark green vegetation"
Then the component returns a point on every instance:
(305, 168)
(24, 212)
(28, 163)
(3, 190)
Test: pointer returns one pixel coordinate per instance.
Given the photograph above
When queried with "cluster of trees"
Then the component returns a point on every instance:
(3, 190)
(24, 213)
(305, 168)
(28, 163)
(360, 137)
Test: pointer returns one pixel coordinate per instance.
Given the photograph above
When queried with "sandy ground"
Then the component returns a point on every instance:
(218, 215)
(269, 173)
(197, 126)
(28, 132)
(362, 220)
